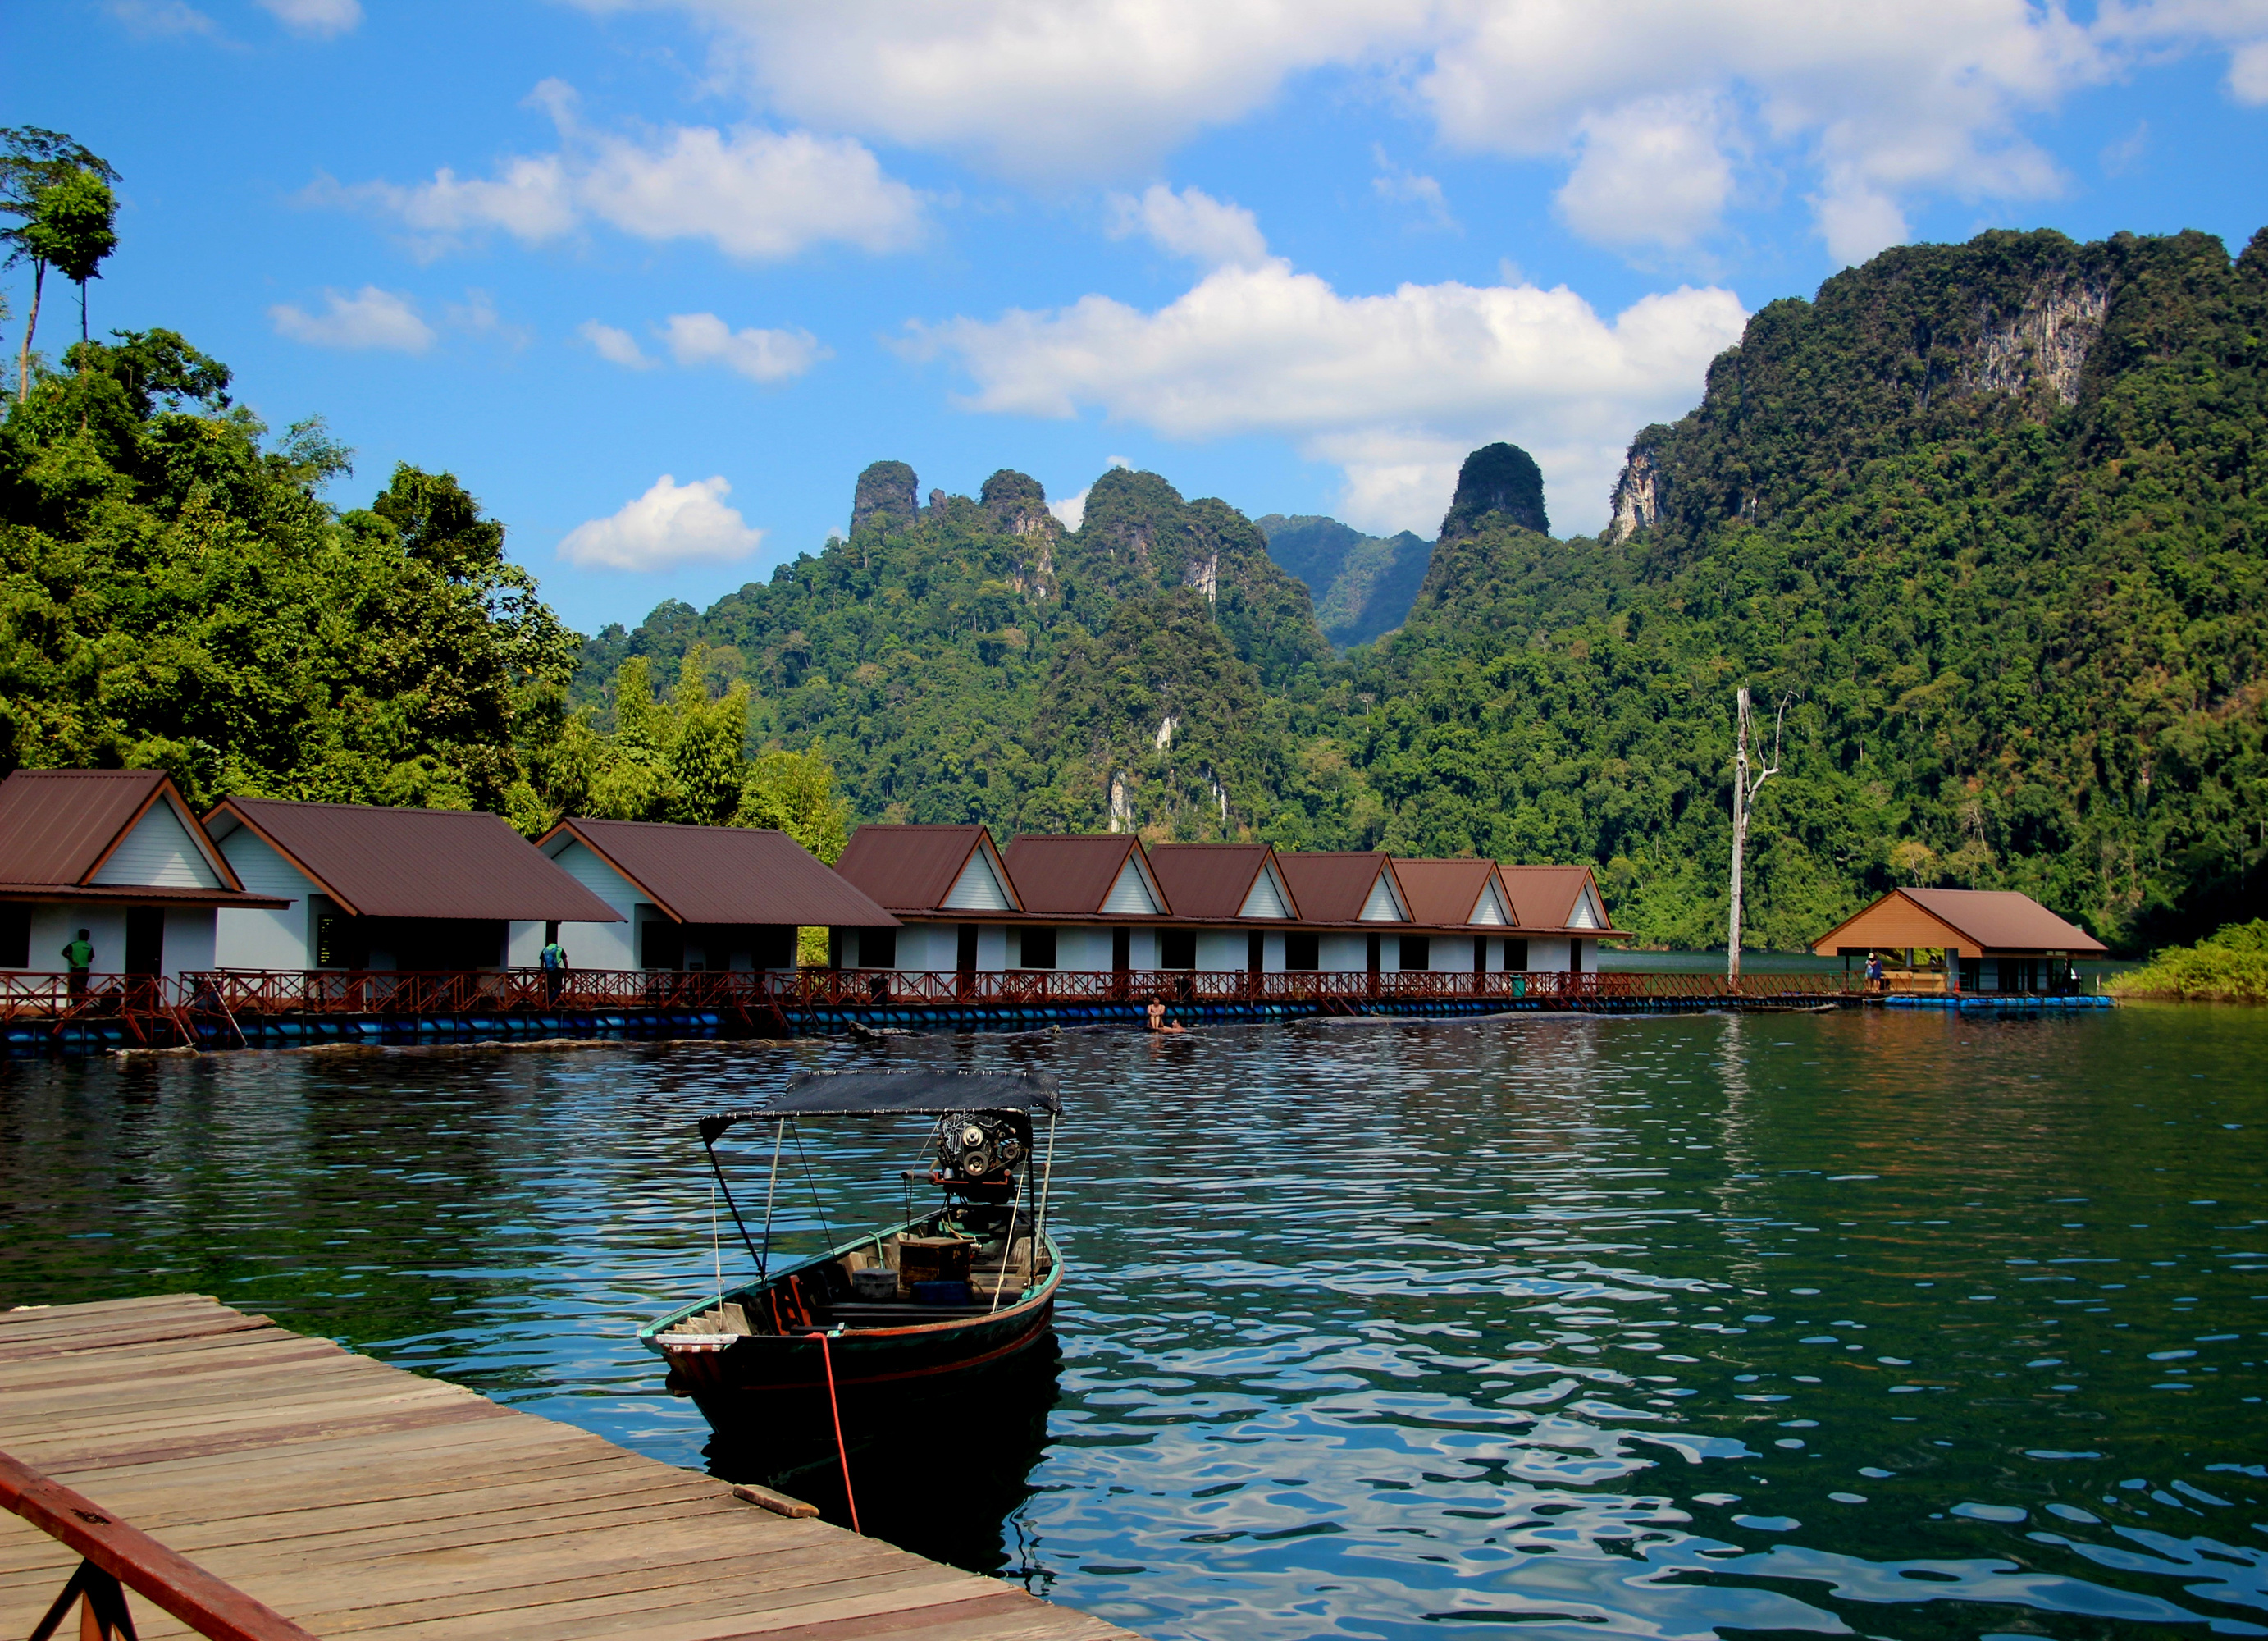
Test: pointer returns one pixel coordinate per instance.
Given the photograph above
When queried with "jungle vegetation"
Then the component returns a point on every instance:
(1988, 518)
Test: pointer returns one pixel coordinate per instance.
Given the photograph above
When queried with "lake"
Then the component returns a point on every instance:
(1892, 1325)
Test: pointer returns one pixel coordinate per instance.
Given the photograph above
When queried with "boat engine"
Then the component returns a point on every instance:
(980, 1147)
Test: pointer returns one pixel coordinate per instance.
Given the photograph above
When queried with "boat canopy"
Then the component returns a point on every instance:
(898, 1094)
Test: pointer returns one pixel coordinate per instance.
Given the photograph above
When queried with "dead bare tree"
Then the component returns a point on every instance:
(1745, 788)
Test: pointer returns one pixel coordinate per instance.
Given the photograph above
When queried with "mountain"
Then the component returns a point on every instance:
(1990, 518)
(1363, 585)
(972, 659)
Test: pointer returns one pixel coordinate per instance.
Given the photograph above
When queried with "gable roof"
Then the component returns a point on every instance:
(1995, 919)
(61, 830)
(1444, 893)
(1213, 880)
(721, 874)
(431, 863)
(914, 869)
(1336, 886)
(1549, 898)
(1072, 873)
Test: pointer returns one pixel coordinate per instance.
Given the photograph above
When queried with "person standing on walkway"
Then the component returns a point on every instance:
(79, 955)
(553, 959)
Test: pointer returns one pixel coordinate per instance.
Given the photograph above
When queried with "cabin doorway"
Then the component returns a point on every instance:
(1122, 951)
(145, 940)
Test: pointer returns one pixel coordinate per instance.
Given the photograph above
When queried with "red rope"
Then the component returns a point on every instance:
(827, 1360)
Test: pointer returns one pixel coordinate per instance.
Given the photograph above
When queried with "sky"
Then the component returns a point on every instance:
(656, 279)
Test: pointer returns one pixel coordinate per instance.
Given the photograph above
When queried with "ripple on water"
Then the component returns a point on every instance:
(1366, 1331)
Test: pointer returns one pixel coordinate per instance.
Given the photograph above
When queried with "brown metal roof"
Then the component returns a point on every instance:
(1210, 880)
(1444, 893)
(140, 895)
(57, 826)
(447, 864)
(1070, 874)
(723, 873)
(912, 868)
(1333, 884)
(1996, 920)
(1543, 898)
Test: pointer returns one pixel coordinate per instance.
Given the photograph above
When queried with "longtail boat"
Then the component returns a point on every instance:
(969, 1284)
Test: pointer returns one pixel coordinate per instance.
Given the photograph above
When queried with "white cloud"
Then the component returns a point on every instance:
(321, 18)
(1393, 388)
(1871, 106)
(1212, 233)
(757, 194)
(1042, 88)
(759, 355)
(369, 318)
(671, 524)
(2248, 73)
(1409, 188)
(615, 346)
(1651, 173)
(1072, 510)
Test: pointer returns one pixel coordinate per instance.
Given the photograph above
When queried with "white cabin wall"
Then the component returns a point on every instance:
(1083, 946)
(283, 939)
(591, 945)
(1340, 954)
(158, 850)
(1549, 954)
(53, 928)
(190, 940)
(1220, 950)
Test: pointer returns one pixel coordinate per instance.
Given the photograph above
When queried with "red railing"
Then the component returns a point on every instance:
(587, 991)
(115, 1558)
(215, 1003)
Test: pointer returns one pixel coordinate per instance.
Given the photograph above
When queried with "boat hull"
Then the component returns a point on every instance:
(762, 1378)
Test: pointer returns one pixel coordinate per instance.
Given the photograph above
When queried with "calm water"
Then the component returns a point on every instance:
(1784, 1325)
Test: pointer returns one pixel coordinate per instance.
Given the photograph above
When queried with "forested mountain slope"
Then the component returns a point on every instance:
(973, 660)
(1363, 585)
(1991, 516)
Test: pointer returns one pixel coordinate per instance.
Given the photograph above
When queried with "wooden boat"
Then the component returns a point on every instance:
(966, 1285)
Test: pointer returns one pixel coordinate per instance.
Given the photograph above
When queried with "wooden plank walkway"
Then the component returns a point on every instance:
(358, 1499)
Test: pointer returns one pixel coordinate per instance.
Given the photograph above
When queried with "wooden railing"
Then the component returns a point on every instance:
(214, 1003)
(269, 993)
(115, 1558)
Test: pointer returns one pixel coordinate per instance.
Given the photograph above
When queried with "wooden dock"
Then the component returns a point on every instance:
(358, 1499)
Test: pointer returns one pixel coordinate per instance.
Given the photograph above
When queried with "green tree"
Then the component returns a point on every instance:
(58, 191)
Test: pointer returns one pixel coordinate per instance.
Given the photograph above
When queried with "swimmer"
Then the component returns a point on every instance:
(1157, 1021)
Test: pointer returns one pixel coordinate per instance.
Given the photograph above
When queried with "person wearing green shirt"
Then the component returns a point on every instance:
(553, 959)
(80, 955)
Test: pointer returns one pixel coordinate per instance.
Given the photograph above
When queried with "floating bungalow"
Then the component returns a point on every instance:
(359, 888)
(120, 854)
(1960, 940)
(704, 897)
(1232, 909)
(950, 890)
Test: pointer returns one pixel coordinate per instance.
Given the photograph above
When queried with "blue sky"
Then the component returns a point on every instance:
(656, 280)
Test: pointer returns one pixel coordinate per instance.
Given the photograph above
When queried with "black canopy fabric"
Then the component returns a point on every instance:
(899, 1094)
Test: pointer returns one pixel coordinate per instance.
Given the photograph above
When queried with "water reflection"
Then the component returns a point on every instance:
(1887, 1325)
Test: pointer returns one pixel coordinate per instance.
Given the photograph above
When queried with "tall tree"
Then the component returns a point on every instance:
(44, 178)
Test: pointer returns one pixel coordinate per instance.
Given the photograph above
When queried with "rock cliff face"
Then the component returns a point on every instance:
(1924, 342)
(887, 489)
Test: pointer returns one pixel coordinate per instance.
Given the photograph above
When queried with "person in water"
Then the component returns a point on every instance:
(1157, 1021)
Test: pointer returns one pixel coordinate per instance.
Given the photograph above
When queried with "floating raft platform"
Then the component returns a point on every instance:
(1998, 1003)
(354, 1499)
(262, 1009)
